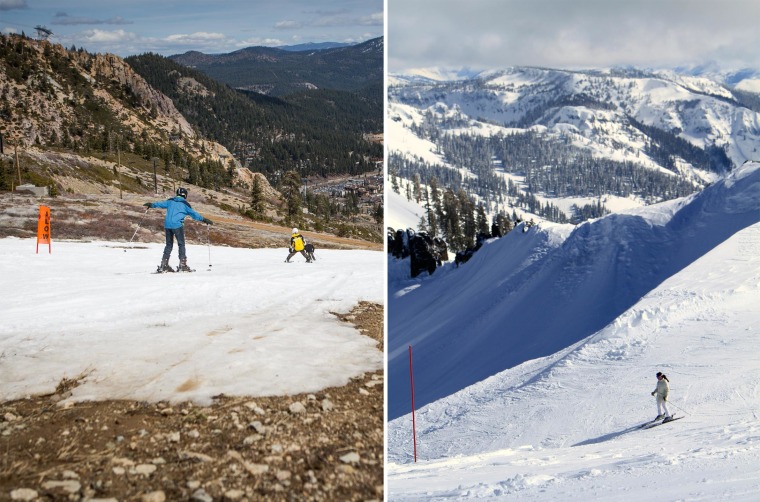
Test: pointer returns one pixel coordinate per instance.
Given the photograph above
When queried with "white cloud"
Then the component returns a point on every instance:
(376, 19)
(108, 37)
(192, 38)
(62, 18)
(260, 42)
(288, 25)
(13, 4)
(577, 33)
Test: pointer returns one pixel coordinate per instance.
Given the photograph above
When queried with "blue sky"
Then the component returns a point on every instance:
(211, 26)
(484, 34)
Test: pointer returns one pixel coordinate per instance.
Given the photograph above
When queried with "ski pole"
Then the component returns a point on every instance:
(674, 404)
(208, 243)
(138, 227)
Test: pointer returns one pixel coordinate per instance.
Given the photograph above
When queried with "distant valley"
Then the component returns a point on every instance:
(570, 145)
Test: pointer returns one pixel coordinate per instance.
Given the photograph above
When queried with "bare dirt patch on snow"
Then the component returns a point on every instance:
(322, 446)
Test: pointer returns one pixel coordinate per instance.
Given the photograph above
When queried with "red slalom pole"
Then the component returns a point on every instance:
(414, 425)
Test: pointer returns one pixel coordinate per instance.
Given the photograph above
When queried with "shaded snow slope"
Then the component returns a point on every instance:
(533, 294)
(402, 213)
(563, 427)
(253, 325)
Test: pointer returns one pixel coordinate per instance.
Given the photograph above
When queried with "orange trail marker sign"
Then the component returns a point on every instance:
(43, 228)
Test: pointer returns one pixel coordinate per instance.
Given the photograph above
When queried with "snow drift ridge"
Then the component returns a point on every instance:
(530, 295)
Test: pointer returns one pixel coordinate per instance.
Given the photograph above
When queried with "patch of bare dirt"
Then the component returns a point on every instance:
(322, 446)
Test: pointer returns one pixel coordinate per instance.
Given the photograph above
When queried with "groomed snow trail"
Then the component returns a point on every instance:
(563, 426)
(252, 325)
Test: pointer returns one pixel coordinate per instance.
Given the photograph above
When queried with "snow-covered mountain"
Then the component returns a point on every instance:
(533, 362)
(680, 125)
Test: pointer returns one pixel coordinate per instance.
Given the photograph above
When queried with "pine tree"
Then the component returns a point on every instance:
(394, 182)
(505, 224)
(452, 227)
(482, 220)
(5, 176)
(379, 214)
(290, 189)
(422, 225)
(257, 197)
(467, 218)
(435, 199)
(431, 217)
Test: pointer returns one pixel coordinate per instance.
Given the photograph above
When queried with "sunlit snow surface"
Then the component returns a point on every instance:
(562, 426)
(245, 323)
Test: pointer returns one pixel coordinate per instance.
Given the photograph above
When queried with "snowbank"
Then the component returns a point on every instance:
(564, 426)
(249, 324)
(530, 295)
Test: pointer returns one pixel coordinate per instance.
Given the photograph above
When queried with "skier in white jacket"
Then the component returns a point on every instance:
(662, 391)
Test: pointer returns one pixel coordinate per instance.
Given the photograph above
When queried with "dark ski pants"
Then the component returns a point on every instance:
(291, 255)
(171, 233)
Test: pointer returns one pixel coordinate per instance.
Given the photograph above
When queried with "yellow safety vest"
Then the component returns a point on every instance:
(297, 242)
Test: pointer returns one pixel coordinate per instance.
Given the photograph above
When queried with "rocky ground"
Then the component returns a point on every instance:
(92, 202)
(322, 446)
(109, 217)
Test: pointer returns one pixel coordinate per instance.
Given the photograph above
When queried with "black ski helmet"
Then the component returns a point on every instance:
(182, 192)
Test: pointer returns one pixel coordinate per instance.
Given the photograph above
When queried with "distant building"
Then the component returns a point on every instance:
(34, 190)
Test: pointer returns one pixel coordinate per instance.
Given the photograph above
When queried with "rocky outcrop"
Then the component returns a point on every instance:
(50, 98)
(108, 67)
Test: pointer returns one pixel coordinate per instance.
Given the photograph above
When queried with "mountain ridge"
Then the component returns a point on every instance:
(688, 130)
(83, 124)
(278, 72)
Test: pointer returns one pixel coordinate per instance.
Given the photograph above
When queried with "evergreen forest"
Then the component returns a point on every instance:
(316, 132)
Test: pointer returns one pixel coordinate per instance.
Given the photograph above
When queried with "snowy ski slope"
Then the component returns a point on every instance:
(534, 361)
(248, 325)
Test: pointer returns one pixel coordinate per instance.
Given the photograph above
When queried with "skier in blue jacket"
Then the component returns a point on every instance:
(177, 208)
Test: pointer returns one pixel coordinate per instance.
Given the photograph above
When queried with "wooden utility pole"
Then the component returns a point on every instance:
(155, 176)
(18, 167)
(118, 169)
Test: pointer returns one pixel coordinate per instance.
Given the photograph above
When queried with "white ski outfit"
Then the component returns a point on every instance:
(661, 391)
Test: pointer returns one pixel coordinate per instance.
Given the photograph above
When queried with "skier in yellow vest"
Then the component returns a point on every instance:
(297, 244)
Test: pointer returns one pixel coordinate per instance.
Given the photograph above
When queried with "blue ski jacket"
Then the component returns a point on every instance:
(177, 208)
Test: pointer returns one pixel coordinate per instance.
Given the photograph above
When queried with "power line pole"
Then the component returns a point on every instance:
(155, 178)
(18, 167)
(118, 169)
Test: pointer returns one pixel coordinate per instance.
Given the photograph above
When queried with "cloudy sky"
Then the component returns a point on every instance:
(486, 34)
(127, 27)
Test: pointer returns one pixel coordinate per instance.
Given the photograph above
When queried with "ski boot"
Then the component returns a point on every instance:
(183, 266)
(164, 267)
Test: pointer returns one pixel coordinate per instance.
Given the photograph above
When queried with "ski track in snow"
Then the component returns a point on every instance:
(564, 427)
(248, 324)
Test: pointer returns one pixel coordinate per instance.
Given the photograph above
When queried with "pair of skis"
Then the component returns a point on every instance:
(159, 271)
(658, 422)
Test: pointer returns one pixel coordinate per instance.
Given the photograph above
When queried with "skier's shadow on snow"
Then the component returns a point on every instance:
(607, 437)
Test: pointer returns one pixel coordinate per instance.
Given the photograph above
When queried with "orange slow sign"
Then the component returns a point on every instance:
(43, 228)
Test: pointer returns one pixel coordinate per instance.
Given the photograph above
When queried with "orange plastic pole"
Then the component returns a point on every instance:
(43, 228)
